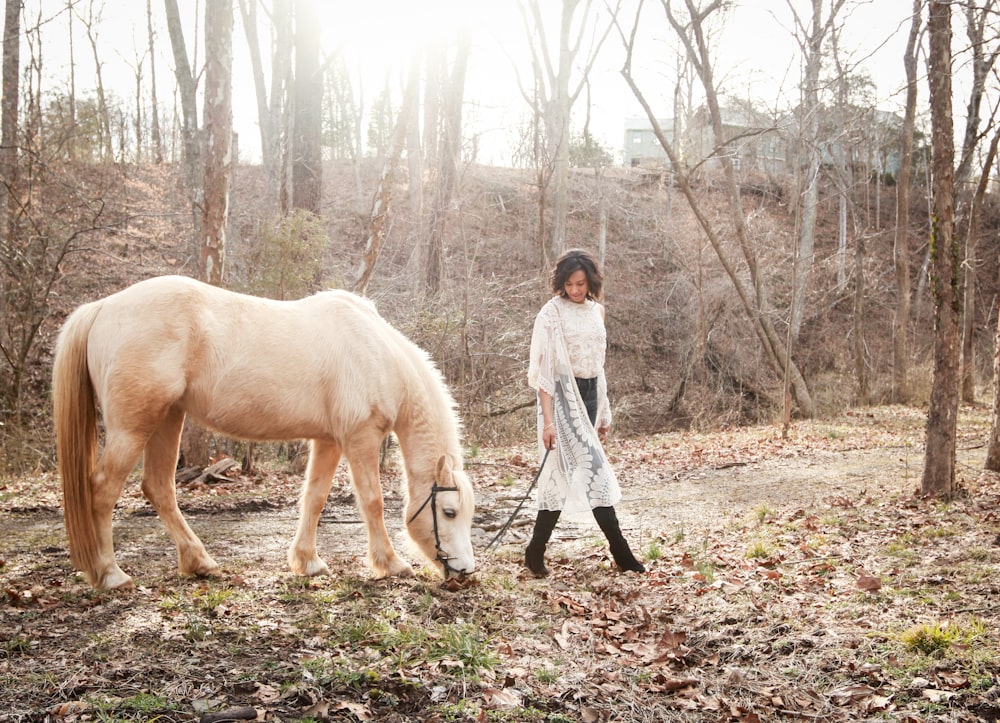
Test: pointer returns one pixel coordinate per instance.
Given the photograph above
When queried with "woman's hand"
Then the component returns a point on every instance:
(549, 436)
(602, 431)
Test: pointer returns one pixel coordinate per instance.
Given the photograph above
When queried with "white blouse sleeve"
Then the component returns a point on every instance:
(541, 363)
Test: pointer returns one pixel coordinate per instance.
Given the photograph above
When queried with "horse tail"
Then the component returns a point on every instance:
(74, 411)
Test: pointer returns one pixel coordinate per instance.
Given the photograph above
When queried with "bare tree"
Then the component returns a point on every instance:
(218, 138)
(753, 299)
(980, 31)
(72, 79)
(449, 159)
(942, 415)
(553, 94)
(810, 33)
(436, 74)
(378, 219)
(9, 122)
(993, 447)
(91, 24)
(344, 123)
(279, 175)
(307, 130)
(187, 89)
(901, 240)
(154, 103)
(9, 172)
(248, 13)
(415, 167)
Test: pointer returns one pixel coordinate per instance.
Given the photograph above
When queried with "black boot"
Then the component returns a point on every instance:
(620, 551)
(534, 555)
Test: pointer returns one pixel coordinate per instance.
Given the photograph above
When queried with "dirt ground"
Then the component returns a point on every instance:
(67, 646)
(253, 521)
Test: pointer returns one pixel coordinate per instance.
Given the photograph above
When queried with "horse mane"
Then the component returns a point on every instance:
(432, 398)
(430, 401)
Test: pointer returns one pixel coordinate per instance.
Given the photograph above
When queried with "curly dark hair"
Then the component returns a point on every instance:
(569, 263)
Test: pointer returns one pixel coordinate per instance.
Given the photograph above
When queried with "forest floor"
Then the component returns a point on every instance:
(790, 577)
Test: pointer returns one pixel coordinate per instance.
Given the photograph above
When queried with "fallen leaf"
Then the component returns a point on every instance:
(869, 583)
(502, 699)
(937, 696)
(358, 710)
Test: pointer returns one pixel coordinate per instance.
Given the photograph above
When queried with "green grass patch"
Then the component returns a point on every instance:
(936, 639)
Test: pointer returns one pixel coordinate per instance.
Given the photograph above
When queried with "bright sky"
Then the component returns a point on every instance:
(758, 56)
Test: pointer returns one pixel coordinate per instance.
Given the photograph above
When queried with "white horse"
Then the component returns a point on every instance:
(326, 368)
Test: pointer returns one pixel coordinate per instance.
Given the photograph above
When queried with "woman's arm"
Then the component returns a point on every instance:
(548, 423)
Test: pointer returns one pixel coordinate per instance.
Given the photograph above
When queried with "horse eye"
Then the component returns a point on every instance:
(450, 513)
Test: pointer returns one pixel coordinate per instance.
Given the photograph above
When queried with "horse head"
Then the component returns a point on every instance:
(440, 523)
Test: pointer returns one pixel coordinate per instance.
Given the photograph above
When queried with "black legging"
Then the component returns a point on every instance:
(588, 390)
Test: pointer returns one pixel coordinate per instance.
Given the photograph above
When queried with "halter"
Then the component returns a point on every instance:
(441, 556)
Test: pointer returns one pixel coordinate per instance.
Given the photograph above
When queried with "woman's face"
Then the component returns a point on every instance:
(576, 286)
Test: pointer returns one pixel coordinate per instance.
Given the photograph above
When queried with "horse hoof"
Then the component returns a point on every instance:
(307, 565)
(401, 569)
(208, 569)
(316, 567)
(393, 568)
(112, 580)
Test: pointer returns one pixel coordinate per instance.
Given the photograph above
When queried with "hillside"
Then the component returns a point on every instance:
(682, 354)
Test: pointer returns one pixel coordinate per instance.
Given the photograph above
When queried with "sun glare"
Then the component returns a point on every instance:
(382, 35)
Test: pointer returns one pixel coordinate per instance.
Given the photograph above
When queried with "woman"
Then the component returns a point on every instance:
(567, 371)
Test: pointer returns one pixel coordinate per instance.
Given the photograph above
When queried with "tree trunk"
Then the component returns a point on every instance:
(811, 46)
(72, 144)
(307, 132)
(248, 13)
(278, 175)
(434, 89)
(449, 158)
(218, 137)
(901, 242)
(103, 114)
(842, 232)
(9, 111)
(993, 448)
(414, 152)
(942, 416)
(558, 131)
(378, 219)
(9, 387)
(154, 110)
(190, 153)
(968, 365)
(860, 357)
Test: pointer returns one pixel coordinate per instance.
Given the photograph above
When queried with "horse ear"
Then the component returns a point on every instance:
(443, 467)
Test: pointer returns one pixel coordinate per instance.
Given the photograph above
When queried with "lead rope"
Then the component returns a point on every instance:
(519, 504)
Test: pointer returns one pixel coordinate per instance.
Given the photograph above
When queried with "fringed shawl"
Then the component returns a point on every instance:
(577, 476)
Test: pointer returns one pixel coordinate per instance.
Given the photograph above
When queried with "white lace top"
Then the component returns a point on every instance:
(586, 343)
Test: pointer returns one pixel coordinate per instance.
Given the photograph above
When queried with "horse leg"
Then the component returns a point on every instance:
(363, 456)
(121, 452)
(159, 464)
(324, 456)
